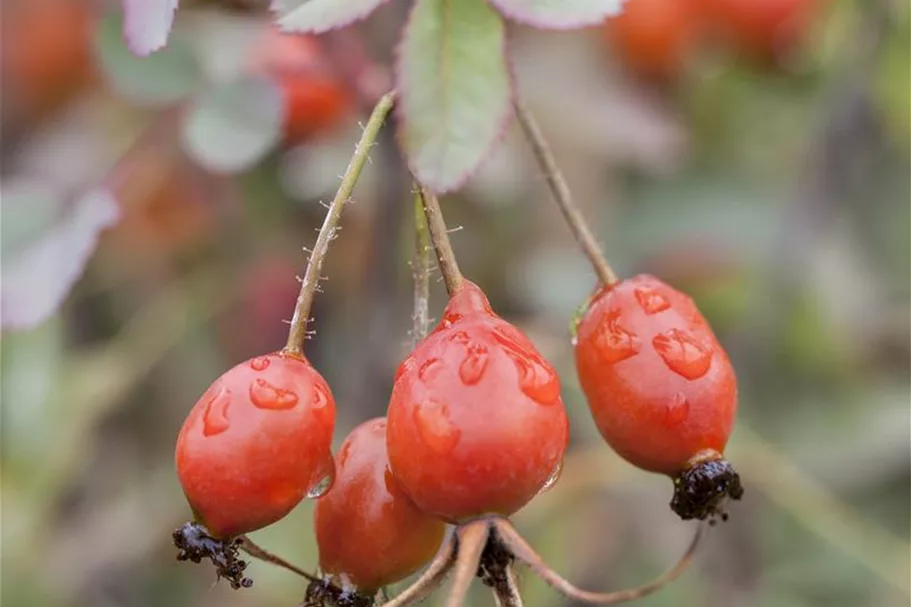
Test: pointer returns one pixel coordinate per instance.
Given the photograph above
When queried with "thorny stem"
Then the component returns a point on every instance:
(298, 332)
(420, 268)
(562, 195)
(256, 551)
(449, 267)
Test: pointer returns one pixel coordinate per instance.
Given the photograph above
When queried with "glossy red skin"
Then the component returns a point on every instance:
(461, 449)
(637, 400)
(762, 28)
(315, 99)
(654, 37)
(370, 534)
(243, 466)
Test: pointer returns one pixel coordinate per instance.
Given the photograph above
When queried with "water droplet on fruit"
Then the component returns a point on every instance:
(435, 426)
(260, 363)
(215, 417)
(677, 409)
(651, 301)
(553, 478)
(615, 342)
(460, 337)
(473, 366)
(268, 396)
(320, 405)
(535, 380)
(326, 477)
(429, 369)
(683, 354)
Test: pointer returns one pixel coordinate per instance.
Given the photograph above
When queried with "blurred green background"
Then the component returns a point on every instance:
(776, 193)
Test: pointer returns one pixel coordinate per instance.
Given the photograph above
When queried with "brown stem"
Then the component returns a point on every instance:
(420, 268)
(440, 236)
(301, 318)
(506, 591)
(562, 195)
(472, 538)
(438, 568)
(523, 551)
(256, 551)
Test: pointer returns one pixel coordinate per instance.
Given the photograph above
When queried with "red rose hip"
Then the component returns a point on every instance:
(370, 534)
(476, 424)
(661, 389)
(256, 443)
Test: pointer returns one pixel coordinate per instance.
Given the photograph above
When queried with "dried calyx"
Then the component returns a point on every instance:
(703, 489)
(194, 544)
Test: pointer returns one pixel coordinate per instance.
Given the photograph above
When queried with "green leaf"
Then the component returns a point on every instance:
(558, 14)
(232, 126)
(318, 16)
(454, 89)
(159, 79)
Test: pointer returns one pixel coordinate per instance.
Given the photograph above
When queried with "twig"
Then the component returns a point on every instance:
(523, 551)
(472, 538)
(562, 195)
(449, 267)
(438, 568)
(420, 268)
(301, 318)
(506, 593)
(257, 552)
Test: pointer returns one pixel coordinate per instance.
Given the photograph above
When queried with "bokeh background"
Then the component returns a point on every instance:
(772, 186)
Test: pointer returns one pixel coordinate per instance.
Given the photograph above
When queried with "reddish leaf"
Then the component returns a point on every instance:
(49, 258)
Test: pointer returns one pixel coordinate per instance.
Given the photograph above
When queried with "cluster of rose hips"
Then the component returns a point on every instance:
(475, 429)
(655, 38)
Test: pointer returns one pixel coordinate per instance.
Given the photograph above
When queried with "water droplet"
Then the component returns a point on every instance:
(553, 478)
(215, 417)
(472, 368)
(615, 342)
(268, 396)
(429, 369)
(320, 405)
(537, 381)
(260, 363)
(683, 354)
(460, 337)
(325, 478)
(435, 426)
(652, 301)
(677, 409)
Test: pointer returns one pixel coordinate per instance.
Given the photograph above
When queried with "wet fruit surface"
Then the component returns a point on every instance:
(256, 443)
(659, 385)
(370, 534)
(476, 422)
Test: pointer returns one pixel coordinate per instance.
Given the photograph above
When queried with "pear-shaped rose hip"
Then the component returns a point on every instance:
(370, 534)
(661, 388)
(256, 444)
(476, 423)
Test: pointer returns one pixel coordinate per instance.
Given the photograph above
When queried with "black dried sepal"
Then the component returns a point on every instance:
(194, 544)
(703, 489)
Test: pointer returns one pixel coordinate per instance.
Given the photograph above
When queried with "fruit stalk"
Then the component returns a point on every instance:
(301, 318)
(446, 259)
(562, 195)
(420, 268)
